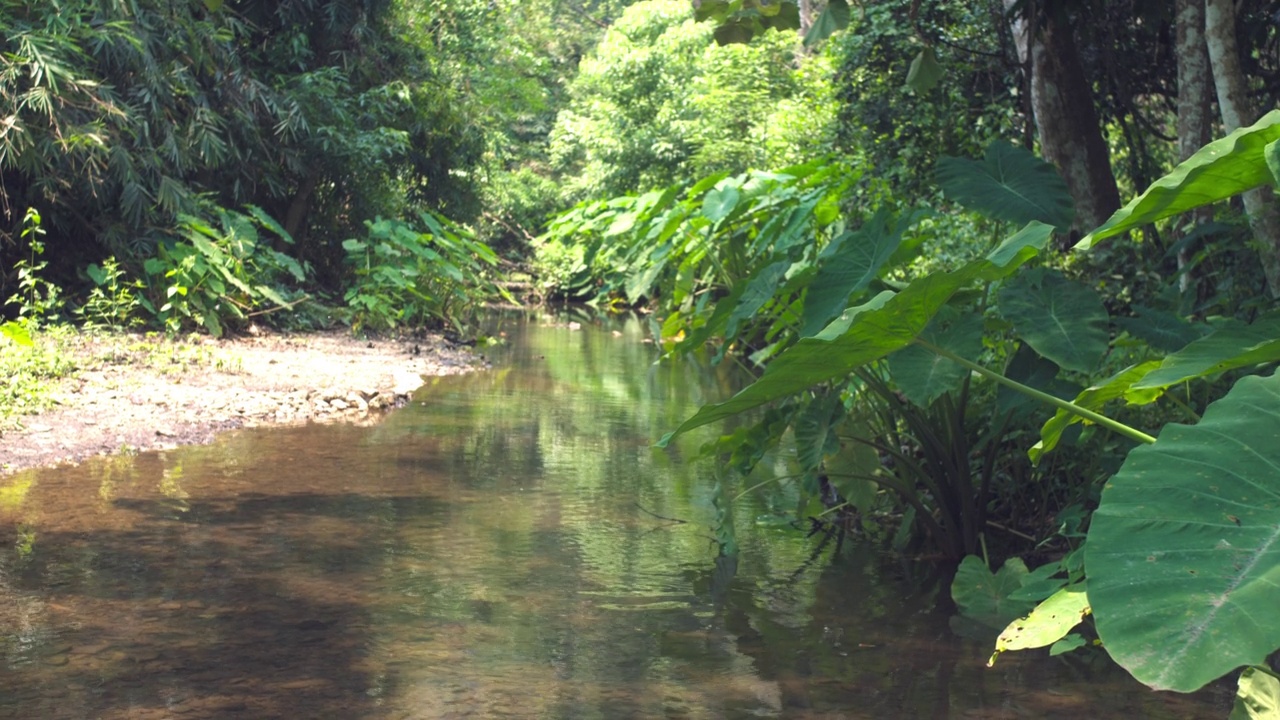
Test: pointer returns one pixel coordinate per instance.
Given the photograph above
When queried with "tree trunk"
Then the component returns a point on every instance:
(1066, 121)
(1195, 96)
(1237, 111)
(296, 216)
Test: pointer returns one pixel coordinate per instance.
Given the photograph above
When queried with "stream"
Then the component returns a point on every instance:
(509, 545)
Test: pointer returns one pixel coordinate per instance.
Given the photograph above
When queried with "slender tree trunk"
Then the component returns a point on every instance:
(1237, 111)
(806, 16)
(1066, 120)
(1195, 96)
(296, 216)
(1018, 31)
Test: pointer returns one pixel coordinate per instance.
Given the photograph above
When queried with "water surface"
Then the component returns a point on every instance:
(508, 546)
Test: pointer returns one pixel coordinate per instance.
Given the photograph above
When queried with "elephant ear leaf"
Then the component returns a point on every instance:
(834, 17)
(1064, 321)
(1219, 170)
(1273, 161)
(922, 375)
(984, 596)
(1234, 345)
(1047, 624)
(1183, 553)
(884, 324)
(720, 203)
(1009, 183)
(925, 72)
(1161, 329)
(849, 269)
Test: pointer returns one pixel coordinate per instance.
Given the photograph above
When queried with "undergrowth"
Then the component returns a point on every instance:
(29, 373)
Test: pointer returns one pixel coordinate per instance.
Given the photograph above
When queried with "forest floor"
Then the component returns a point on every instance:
(131, 393)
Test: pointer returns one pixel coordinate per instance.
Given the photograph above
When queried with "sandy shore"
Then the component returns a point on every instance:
(131, 393)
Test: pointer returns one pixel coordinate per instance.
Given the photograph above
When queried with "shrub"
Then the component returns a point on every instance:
(404, 276)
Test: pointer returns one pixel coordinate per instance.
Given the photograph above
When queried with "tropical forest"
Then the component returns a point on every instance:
(639, 358)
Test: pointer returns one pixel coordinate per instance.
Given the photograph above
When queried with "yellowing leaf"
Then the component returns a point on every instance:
(1048, 623)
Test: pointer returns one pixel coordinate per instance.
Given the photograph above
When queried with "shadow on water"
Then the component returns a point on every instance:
(213, 607)
(509, 545)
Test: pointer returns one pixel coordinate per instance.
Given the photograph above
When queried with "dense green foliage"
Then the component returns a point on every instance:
(658, 102)
(962, 352)
(408, 277)
(125, 116)
(864, 352)
(1137, 540)
(135, 127)
(900, 129)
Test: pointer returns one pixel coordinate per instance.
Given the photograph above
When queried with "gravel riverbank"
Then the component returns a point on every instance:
(131, 393)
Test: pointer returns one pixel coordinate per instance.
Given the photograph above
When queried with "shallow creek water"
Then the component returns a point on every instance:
(507, 546)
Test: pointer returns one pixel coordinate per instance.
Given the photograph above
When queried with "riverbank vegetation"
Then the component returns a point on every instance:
(1008, 287)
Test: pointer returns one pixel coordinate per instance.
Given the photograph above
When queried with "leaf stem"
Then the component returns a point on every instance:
(1195, 417)
(1113, 425)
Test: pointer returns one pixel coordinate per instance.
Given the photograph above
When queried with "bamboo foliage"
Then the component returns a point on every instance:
(121, 115)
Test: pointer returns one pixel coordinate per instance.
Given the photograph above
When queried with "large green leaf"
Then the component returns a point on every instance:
(922, 375)
(720, 202)
(781, 15)
(734, 32)
(835, 16)
(853, 462)
(1026, 367)
(1161, 329)
(849, 269)
(984, 596)
(888, 323)
(1219, 170)
(759, 291)
(1092, 398)
(1183, 553)
(1062, 320)
(815, 431)
(1273, 161)
(925, 72)
(1009, 183)
(1235, 345)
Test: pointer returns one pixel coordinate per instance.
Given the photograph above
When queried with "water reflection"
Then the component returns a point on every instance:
(508, 546)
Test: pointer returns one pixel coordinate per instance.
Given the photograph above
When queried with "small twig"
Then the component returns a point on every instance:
(286, 306)
(1011, 531)
(513, 229)
(583, 12)
(757, 486)
(834, 508)
(660, 517)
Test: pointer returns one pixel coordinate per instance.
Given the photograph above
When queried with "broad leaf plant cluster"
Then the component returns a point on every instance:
(905, 391)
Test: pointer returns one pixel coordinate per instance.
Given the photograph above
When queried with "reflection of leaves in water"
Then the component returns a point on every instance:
(724, 530)
(722, 577)
(170, 487)
(26, 543)
(14, 494)
(114, 468)
(660, 605)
